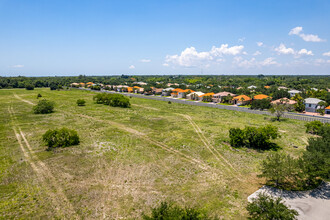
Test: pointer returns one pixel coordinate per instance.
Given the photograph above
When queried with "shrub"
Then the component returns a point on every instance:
(39, 96)
(60, 138)
(29, 86)
(81, 102)
(313, 127)
(169, 211)
(44, 107)
(114, 100)
(169, 102)
(236, 136)
(266, 207)
(253, 137)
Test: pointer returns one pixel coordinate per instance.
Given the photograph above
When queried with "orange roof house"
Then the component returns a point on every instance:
(207, 94)
(328, 107)
(261, 96)
(267, 87)
(242, 97)
(130, 89)
(89, 83)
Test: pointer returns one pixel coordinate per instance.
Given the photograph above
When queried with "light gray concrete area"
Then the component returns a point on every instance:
(313, 204)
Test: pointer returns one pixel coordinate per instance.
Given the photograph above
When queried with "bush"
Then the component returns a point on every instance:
(81, 102)
(60, 138)
(313, 127)
(169, 211)
(29, 86)
(39, 96)
(169, 102)
(114, 100)
(266, 207)
(44, 107)
(317, 155)
(252, 137)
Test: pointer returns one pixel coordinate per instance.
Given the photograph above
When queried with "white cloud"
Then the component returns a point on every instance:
(295, 31)
(257, 53)
(145, 61)
(191, 57)
(326, 54)
(260, 44)
(305, 37)
(305, 52)
(131, 67)
(18, 66)
(268, 61)
(282, 49)
(165, 64)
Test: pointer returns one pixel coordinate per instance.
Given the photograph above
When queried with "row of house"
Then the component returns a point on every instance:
(311, 104)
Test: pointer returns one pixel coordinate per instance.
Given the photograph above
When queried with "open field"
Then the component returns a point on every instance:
(128, 159)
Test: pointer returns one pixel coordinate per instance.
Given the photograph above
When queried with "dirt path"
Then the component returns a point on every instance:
(24, 100)
(207, 144)
(61, 203)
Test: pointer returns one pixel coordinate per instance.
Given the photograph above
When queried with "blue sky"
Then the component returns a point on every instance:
(94, 37)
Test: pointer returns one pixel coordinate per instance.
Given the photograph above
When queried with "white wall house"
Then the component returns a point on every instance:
(312, 104)
(293, 92)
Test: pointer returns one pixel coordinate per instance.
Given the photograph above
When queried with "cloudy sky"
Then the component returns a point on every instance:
(70, 37)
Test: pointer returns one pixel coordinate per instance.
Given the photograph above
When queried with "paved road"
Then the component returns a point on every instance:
(313, 204)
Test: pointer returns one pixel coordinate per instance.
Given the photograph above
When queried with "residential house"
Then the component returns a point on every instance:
(130, 89)
(241, 100)
(252, 87)
(284, 101)
(194, 95)
(312, 104)
(74, 84)
(282, 87)
(157, 91)
(138, 89)
(206, 97)
(327, 110)
(218, 97)
(293, 92)
(266, 87)
(167, 91)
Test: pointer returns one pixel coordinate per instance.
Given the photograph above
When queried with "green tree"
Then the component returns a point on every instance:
(278, 110)
(44, 107)
(39, 96)
(29, 86)
(313, 127)
(265, 207)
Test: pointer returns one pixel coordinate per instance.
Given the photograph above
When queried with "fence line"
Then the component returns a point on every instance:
(290, 115)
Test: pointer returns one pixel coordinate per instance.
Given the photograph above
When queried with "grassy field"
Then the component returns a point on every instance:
(128, 159)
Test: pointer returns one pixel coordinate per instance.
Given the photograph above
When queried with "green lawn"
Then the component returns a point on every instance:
(128, 159)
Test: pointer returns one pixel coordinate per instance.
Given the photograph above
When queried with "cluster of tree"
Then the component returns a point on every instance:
(261, 104)
(167, 211)
(44, 107)
(266, 207)
(63, 137)
(252, 137)
(306, 172)
(114, 100)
